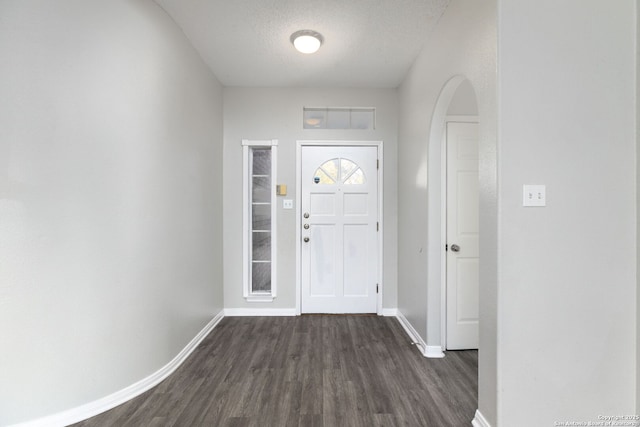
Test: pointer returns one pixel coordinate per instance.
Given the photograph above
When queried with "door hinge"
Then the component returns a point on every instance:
(377, 226)
(377, 163)
(446, 247)
(377, 288)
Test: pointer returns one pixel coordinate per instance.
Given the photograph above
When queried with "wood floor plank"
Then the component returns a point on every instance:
(311, 420)
(311, 371)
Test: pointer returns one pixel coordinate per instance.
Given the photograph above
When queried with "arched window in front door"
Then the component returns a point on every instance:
(339, 171)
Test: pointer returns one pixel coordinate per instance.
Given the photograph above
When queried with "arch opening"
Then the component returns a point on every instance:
(457, 101)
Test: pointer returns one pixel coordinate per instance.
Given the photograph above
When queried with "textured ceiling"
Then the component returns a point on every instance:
(368, 43)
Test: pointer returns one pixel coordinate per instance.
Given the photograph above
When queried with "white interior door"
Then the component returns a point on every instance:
(462, 236)
(339, 229)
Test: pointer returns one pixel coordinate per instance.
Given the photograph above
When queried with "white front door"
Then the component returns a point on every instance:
(462, 236)
(339, 208)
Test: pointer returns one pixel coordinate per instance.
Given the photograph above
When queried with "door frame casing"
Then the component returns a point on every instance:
(339, 143)
(443, 224)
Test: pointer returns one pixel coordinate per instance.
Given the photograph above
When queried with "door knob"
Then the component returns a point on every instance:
(306, 239)
(455, 248)
(306, 226)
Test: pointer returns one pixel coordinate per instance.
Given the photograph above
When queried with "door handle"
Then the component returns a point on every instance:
(306, 239)
(306, 226)
(455, 248)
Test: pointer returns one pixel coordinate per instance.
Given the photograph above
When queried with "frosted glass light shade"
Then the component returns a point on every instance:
(307, 41)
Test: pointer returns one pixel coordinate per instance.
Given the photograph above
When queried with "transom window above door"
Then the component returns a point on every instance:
(339, 171)
(339, 118)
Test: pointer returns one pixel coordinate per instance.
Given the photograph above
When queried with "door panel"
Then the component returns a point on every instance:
(323, 261)
(467, 296)
(322, 204)
(468, 214)
(462, 230)
(340, 259)
(355, 204)
(355, 256)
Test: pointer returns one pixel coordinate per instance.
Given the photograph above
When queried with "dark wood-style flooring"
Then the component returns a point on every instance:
(308, 371)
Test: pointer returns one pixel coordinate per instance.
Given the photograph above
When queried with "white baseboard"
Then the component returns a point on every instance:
(429, 351)
(99, 406)
(479, 420)
(238, 312)
(390, 312)
(434, 352)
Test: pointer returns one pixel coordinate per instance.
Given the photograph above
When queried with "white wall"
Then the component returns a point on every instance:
(464, 102)
(463, 44)
(110, 189)
(567, 282)
(254, 113)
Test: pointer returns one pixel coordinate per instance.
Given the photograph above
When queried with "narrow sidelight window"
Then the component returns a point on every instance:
(259, 222)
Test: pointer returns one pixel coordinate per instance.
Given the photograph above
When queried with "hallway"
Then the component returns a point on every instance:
(313, 370)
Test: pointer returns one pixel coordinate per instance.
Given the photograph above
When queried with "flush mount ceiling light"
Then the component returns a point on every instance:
(312, 121)
(307, 41)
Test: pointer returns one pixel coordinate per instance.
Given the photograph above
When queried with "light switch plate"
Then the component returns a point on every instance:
(534, 195)
(287, 204)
